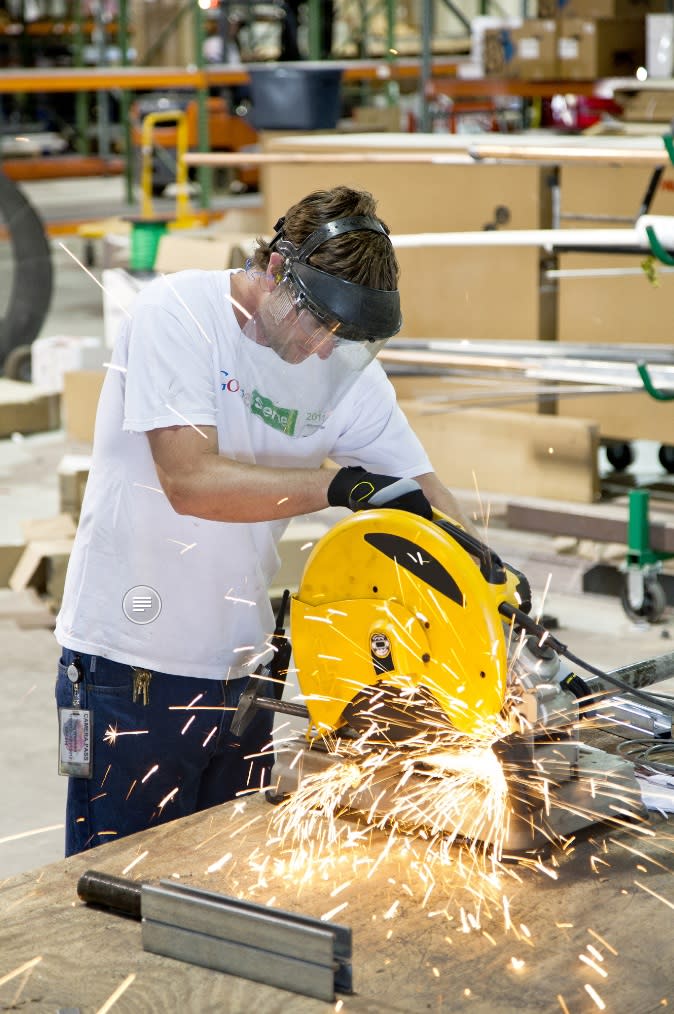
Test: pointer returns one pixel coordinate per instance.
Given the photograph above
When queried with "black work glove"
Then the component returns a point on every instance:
(357, 489)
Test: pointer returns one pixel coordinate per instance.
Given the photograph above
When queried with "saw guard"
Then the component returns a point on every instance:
(389, 597)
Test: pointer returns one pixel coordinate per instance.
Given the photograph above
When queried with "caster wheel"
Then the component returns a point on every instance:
(620, 455)
(653, 602)
(18, 365)
(666, 457)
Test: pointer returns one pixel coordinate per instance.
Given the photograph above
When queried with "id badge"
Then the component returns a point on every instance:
(75, 742)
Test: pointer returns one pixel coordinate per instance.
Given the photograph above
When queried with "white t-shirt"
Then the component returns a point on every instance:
(182, 359)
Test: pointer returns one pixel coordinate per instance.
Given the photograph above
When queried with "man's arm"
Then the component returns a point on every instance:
(199, 481)
(441, 498)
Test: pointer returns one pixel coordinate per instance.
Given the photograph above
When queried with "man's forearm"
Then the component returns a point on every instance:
(219, 489)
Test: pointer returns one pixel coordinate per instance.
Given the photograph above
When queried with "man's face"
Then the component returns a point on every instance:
(293, 334)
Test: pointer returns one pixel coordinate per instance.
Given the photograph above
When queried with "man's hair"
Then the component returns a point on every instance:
(364, 257)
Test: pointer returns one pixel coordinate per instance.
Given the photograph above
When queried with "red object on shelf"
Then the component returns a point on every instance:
(576, 112)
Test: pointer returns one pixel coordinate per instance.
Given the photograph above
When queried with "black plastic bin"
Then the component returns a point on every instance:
(295, 98)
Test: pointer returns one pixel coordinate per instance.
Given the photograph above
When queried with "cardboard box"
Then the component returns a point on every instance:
(443, 292)
(54, 355)
(598, 8)
(536, 49)
(81, 391)
(610, 192)
(120, 289)
(451, 196)
(510, 452)
(647, 105)
(44, 560)
(624, 309)
(624, 417)
(10, 554)
(24, 408)
(161, 31)
(499, 52)
(208, 252)
(588, 48)
(491, 47)
(459, 393)
(660, 45)
(385, 118)
(73, 472)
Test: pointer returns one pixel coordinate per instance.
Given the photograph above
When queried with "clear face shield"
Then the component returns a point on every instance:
(313, 334)
(304, 364)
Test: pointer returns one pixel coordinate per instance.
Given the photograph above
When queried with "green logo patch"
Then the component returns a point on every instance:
(283, 419)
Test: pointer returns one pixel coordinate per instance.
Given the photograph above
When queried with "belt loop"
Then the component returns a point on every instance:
(92, 663)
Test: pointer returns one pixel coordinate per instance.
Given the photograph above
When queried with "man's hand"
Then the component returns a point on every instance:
(359, 490)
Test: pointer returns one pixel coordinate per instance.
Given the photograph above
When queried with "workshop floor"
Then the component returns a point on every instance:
(31, 793)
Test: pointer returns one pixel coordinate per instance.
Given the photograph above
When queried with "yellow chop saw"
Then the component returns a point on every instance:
(432, 698)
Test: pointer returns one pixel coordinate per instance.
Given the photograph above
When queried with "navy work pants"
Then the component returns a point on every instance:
(156, 761)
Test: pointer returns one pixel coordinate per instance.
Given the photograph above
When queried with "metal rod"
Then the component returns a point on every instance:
(282, 707)
(637, 674)
(205, 173)
(648, 156)
(601, 272)
(426, 34)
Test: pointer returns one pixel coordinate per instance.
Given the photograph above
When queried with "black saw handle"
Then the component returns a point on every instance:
(492, 567)
(112, 892)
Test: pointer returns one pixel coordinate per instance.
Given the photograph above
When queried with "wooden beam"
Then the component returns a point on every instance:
(517, 453)
(417, 945)
(77, 79)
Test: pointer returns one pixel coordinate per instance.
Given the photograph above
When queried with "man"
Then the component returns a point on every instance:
(227, 392)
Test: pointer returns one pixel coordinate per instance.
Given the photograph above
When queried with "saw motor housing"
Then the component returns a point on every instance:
(391, 603)
(388, 597)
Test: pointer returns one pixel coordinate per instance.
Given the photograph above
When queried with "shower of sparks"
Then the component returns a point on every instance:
(153, 769)
(216, 866)
(603, 942)
(94, 279)
(241, 602)
(436, 789)
(484, 516)
(114, 997)
(188, 309)
(20, 970)
(186, 420)
(115, 366)
(200, 707)
(239, 306)
(28, 834)
(665, 901)
(167, 798)
(134, 862)
(185, 546)
(593, 965)
(594, 995)
(153, 489)
(112, 734)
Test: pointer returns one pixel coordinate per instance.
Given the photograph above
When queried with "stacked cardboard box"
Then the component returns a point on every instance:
(569, 40)
(568, 48)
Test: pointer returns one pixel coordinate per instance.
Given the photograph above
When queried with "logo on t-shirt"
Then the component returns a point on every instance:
(283, 419)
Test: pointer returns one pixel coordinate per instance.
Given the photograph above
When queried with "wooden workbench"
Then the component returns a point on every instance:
(607, 900)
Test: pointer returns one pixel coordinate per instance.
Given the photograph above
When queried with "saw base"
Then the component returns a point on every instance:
(589, 787)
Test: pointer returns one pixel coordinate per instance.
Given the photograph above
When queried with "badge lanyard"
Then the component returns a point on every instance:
(75, 756)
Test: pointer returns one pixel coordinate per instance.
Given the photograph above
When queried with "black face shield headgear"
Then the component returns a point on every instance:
(348, 310)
